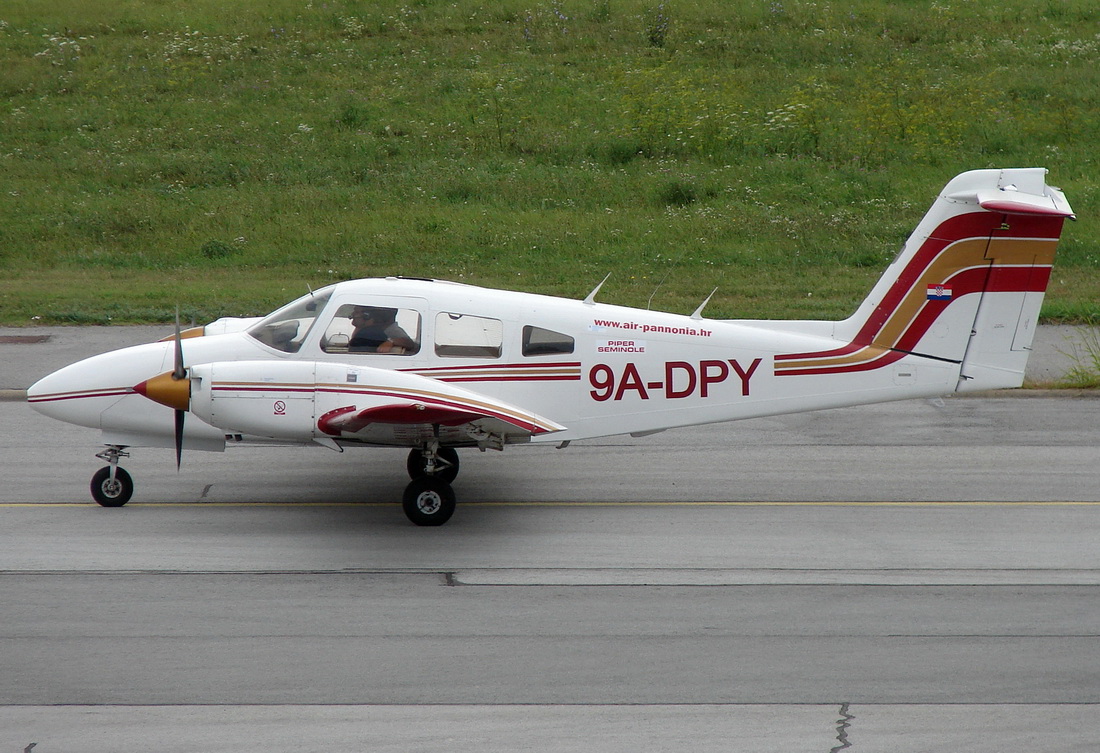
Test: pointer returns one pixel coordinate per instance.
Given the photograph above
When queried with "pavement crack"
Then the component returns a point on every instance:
(842, 725)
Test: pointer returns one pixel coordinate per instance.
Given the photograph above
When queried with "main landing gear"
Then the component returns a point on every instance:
(429, 499)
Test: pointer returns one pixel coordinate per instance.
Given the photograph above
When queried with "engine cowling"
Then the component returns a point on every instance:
(265, 398)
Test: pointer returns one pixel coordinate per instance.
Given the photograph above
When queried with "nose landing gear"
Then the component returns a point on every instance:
(111, 485)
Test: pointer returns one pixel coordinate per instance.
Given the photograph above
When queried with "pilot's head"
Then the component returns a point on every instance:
(362, 314)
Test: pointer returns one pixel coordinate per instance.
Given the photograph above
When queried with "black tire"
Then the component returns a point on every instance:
(110, 494)
(446, 470)
(428, 501)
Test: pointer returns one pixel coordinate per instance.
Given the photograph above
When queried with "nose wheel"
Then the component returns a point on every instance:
(111, 485)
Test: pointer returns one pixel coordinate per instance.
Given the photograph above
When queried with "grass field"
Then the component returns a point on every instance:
(224, 155)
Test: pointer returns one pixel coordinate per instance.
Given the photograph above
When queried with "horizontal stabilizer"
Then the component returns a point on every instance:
(1014, 202)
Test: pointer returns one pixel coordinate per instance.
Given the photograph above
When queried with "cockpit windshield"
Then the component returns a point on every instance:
(287, 328)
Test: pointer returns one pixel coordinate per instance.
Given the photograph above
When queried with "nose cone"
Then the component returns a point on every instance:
(79, 393)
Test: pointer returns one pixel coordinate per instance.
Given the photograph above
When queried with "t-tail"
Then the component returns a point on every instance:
(966, 288)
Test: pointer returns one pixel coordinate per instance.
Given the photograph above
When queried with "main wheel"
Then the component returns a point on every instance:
(446, 464)
(112, 493)
(428, 501)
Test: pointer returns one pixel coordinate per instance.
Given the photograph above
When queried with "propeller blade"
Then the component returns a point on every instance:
(180, 416)
(179, 372)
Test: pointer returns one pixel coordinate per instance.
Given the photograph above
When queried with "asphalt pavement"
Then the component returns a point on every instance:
(902, 577)
(908, 577)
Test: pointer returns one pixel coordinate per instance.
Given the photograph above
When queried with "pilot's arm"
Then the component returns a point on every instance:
(398, 341)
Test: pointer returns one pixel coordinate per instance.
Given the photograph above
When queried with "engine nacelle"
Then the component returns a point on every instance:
(305, 400)
(264, 398)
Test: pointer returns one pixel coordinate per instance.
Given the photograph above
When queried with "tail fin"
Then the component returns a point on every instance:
(966, 287)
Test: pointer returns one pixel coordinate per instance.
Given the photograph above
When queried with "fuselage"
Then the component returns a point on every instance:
(592, 369)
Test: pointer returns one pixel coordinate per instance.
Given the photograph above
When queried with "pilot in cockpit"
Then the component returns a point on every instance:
(377, 331)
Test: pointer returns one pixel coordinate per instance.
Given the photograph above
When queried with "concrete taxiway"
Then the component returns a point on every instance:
(906, 577)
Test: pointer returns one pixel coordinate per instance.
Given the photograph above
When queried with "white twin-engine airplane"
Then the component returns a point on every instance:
(436, 366)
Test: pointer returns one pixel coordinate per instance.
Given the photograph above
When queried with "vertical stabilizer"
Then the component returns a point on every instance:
(966, 288)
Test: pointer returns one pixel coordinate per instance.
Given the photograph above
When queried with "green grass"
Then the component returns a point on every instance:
(224, 155)
(1082, 348)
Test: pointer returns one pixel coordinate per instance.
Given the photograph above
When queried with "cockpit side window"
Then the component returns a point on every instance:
(544, 342)
(368, 328)
(468, 336)
(287, 328)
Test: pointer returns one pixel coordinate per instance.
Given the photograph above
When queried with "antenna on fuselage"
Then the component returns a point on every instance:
(699, 311)
(649, 303)
(591, 299)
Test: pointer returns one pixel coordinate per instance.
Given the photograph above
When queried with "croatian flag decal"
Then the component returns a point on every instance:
(939, 292)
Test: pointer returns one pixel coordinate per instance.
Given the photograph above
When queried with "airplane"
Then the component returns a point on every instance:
(439, 366)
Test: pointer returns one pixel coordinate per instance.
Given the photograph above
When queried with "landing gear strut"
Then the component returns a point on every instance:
(429, 499)
(111, 485)
(442, 464)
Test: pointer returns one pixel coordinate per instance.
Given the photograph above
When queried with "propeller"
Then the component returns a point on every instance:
(172, 389)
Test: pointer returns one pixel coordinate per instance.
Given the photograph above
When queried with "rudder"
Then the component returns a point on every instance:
(1020, 253)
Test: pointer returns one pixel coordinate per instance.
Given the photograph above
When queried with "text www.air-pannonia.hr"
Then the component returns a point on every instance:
(645, 328)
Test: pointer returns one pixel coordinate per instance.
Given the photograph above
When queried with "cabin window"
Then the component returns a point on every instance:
(467, 336)
(544, 342)
(287, 328)
(370, 328)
